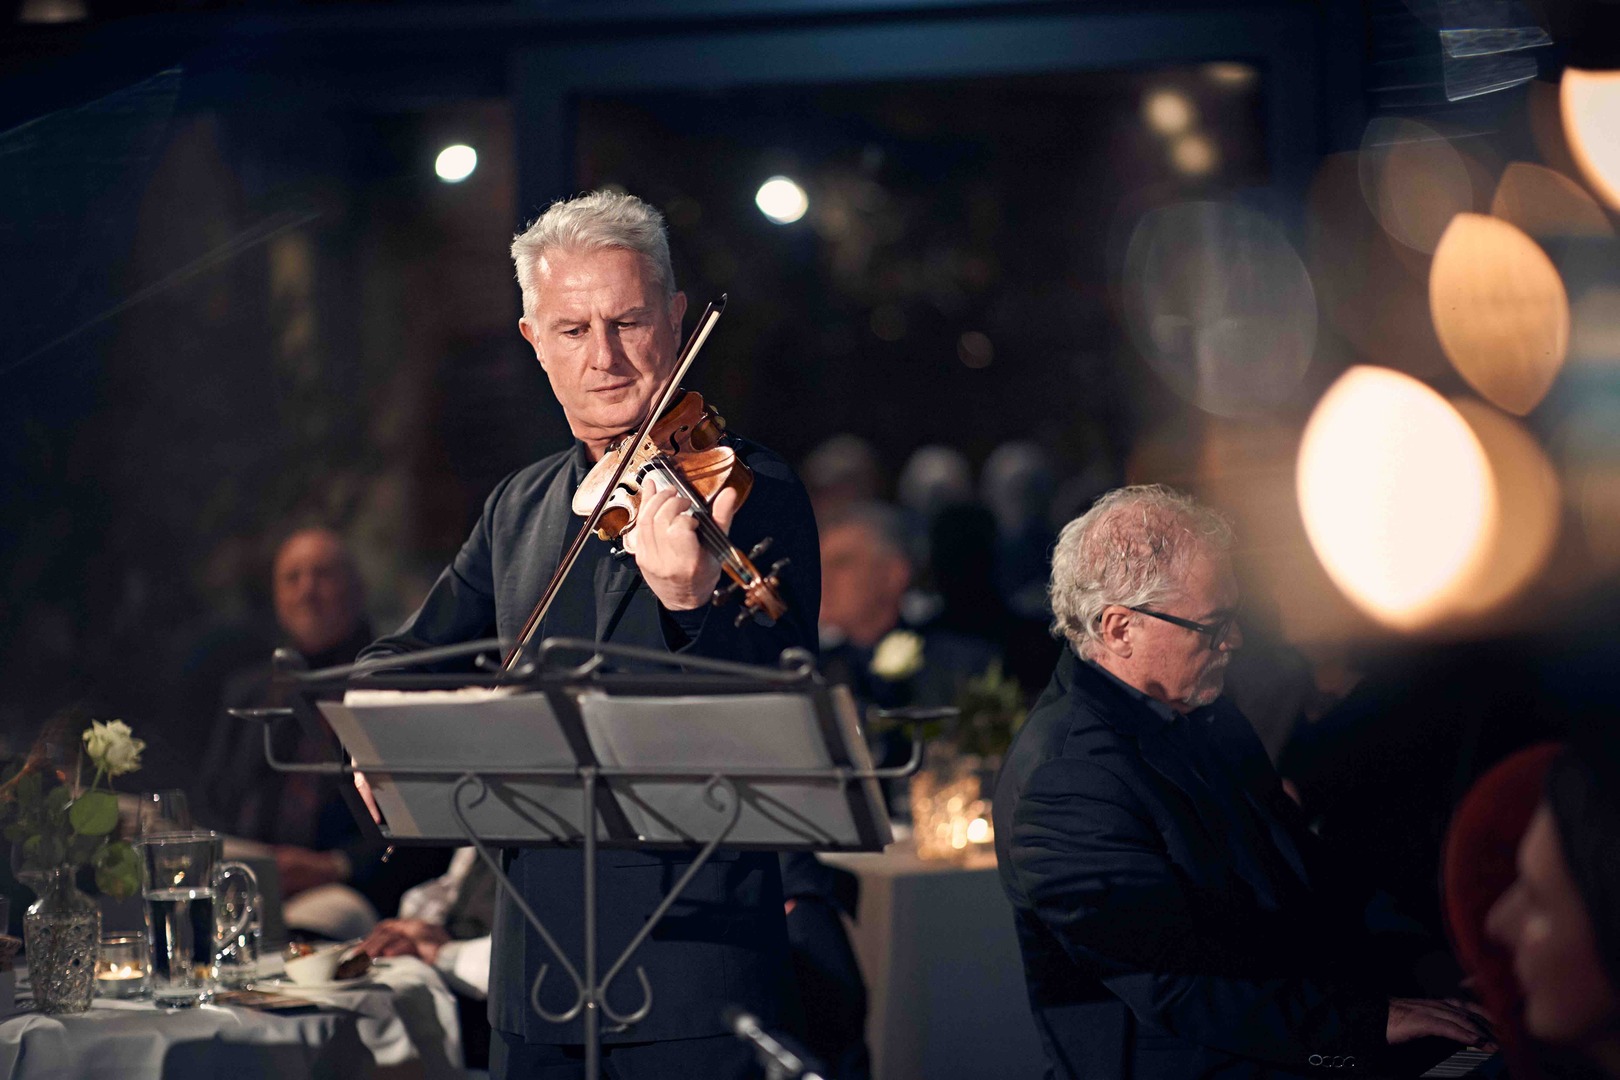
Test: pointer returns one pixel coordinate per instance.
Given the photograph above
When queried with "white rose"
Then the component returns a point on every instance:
(898, 656)
(113, 747)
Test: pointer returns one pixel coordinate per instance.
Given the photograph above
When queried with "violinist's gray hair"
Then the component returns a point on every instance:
(596, 219)
(1132, 548)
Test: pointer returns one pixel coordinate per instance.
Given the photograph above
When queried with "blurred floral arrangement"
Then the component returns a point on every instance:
(950, 797)
(898, 656)
(53, 819)
(990, 711)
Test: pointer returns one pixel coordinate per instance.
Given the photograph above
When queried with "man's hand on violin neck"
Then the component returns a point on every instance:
(678, 568)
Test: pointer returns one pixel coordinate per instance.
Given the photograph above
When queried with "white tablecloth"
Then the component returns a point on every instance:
(404, 1026)
(944, 979)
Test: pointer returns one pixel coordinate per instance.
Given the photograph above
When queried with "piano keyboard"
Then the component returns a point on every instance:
(1462, 1063)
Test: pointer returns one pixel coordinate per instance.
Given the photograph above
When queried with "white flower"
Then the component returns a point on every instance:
(898, 656)
(113, 747)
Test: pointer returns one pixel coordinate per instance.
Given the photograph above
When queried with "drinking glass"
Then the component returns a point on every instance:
(182, 876)
(236, 913)
(161, 812)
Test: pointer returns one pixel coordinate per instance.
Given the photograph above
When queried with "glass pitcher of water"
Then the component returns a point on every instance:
(202, 917)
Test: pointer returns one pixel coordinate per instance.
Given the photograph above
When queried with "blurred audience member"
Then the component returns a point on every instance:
(333, 880)
(1479, 867)
(448, 923)
(1017, 484)
(932, 478)
(971, 609)
(865, 641)
(841, 472)
(1560, 918)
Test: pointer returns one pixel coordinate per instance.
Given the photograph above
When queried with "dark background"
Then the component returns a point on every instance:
(236, 298)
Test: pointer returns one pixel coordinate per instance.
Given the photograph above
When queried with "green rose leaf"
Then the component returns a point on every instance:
(42, 852)
(57, 800)
(81, 849)
(29, 789)
(118, 870)
(95, 813)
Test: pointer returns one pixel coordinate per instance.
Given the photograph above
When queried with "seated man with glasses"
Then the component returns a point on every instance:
(1176, 917)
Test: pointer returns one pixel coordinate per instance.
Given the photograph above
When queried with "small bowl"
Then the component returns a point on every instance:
(316, 968)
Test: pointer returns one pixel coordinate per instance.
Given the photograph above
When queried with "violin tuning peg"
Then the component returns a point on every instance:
(742, 617)
(759, 549)
(778, 566)
(722, 595)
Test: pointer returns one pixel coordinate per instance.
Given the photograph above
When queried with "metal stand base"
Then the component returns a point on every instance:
(590, 995)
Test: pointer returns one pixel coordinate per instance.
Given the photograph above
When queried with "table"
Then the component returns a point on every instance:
(402, 1027)
(944, 979)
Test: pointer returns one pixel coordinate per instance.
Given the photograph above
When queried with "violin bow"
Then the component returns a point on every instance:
(688, 353)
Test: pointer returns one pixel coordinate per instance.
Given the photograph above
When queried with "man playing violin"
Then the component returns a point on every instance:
(601, 311)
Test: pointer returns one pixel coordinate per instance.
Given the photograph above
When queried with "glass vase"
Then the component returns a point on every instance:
(62, 934)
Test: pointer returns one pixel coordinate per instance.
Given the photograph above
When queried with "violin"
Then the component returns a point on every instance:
(679, 445)
(683, 451)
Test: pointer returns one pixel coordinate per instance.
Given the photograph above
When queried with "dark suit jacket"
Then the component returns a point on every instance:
(1175, 918)
(725, 941)
(237, 792)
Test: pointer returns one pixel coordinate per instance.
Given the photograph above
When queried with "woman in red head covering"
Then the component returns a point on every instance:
(1532, 892)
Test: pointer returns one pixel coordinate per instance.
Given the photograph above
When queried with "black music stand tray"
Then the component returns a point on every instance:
(583, 756)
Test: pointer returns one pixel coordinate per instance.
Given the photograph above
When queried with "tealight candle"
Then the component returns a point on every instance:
(121, 968)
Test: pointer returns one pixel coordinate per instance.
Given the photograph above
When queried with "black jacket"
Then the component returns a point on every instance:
(724, 941)
(1175, 917)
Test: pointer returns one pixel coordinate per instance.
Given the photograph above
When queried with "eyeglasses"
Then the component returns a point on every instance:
(1217, 631)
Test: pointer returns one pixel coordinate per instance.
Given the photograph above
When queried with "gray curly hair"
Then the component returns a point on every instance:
(597, 219)
(1131, 549)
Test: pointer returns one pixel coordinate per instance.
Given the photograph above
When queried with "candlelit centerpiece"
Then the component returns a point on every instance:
(58, 824)
(121, 968)
(950, 797)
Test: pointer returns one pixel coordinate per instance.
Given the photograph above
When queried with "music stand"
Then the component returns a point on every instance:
(584, 756)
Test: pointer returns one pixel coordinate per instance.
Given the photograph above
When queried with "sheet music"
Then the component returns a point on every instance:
(460, 730)
(759, 731)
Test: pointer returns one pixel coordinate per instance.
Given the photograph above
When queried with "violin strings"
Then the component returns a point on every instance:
(709, 531)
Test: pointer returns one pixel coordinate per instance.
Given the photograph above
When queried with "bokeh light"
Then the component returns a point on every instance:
(1220, 304)
(1373, 291)
(1500, 311)
(1414, 180)
(975, 349)
(52, 11)
(1194, 154)
(1529, 503)
(781, 200)
(1547, 204)
(1397, 496)
(455, 163)
(1590, 104)
(1231, 74)
(1168, 111)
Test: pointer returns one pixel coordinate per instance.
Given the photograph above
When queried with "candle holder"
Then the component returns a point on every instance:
(121, 971)
(950, 814)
